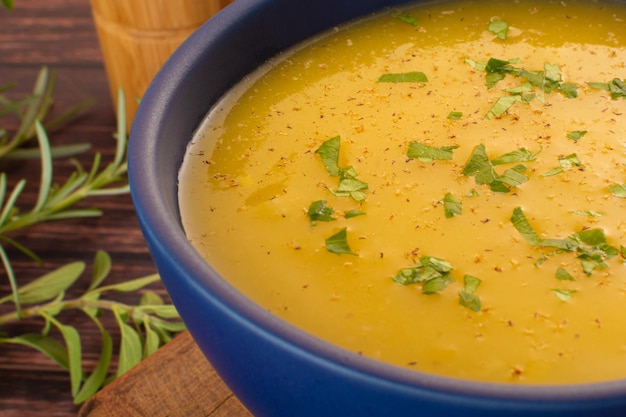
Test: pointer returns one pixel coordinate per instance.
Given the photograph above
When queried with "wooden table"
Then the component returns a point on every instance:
(61, 35)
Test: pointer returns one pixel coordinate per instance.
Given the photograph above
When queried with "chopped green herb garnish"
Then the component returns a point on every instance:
(546, 81)
(589, 213)
(576, 135)
(519, 155)
(564, 295)
(329, 152)
(437, 284)
(427, 154)
(349, 185)
(500, 28)
(406, 18)
(566, 162)
(406, 77)
(502, 105)
(425, 269)
(451, 206)
(455, 115)
(616, 87)
(467, 296)
(512, 177)
(481, 168)
(618, 190)
(590, 245)
(562, 275)
(338, 243)
(353, 213)
(319, 211)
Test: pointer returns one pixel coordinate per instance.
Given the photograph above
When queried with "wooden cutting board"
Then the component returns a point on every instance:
(177, 380)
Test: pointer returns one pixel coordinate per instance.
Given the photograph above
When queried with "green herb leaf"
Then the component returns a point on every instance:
(575, 135)
(101, 268)
(353, 213)
(616, 87)
(437, 284)
(98, 376)
(500, 28)
(503, 105)
(50, 285)
(329, 152)
(455, 115)
(130, 344)
(519, 155)
(467, 298)
(618, 190)
(470, 301)
(471, 283)
(338, 243)
(452, 206)
(479, 166)
(406, 77)
(562, 275)
(589, 213)
(319, 211)
(406, 18)
(427, 154)
(564, 295)
(427, 268)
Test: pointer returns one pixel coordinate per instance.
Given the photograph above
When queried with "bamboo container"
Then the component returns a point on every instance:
(137, 36)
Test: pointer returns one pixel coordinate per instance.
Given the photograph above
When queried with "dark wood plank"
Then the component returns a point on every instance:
(61, 35)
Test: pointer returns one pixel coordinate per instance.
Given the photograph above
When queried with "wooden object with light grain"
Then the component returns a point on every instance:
(175, 381)
(137, 37)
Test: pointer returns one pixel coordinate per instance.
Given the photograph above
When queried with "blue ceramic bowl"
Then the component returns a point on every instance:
(275, 369)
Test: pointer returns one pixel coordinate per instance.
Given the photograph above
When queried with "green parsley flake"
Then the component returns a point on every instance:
(590, 245)
(467, 296)
(500, 28)
(566, 162)
(618, 190)
(562, 275)
(455, 115)
(349, 185)
(329, 152)
(451, 206)
(319, 211)
(406, 18)
(564, 295)
(338, 243)
(353, 213)
(406, 77)
(425, 269)
(427, 154)
(576, 135)
(502, 105)
(519, 155)
(588, 213)
(616, 87)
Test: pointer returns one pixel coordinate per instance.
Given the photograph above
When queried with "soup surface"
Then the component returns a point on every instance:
(441, 187)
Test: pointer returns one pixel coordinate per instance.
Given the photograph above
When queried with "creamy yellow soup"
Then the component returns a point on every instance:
(440, 187)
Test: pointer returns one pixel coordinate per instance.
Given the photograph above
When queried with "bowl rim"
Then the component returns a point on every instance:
(161, 226)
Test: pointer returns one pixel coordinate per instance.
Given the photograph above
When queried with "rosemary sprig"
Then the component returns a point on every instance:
(143, 327)
(153, 322)
(35, 108)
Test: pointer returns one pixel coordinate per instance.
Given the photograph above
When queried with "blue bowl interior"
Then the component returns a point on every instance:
(225, 49)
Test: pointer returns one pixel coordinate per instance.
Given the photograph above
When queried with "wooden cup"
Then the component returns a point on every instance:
(137, 36)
